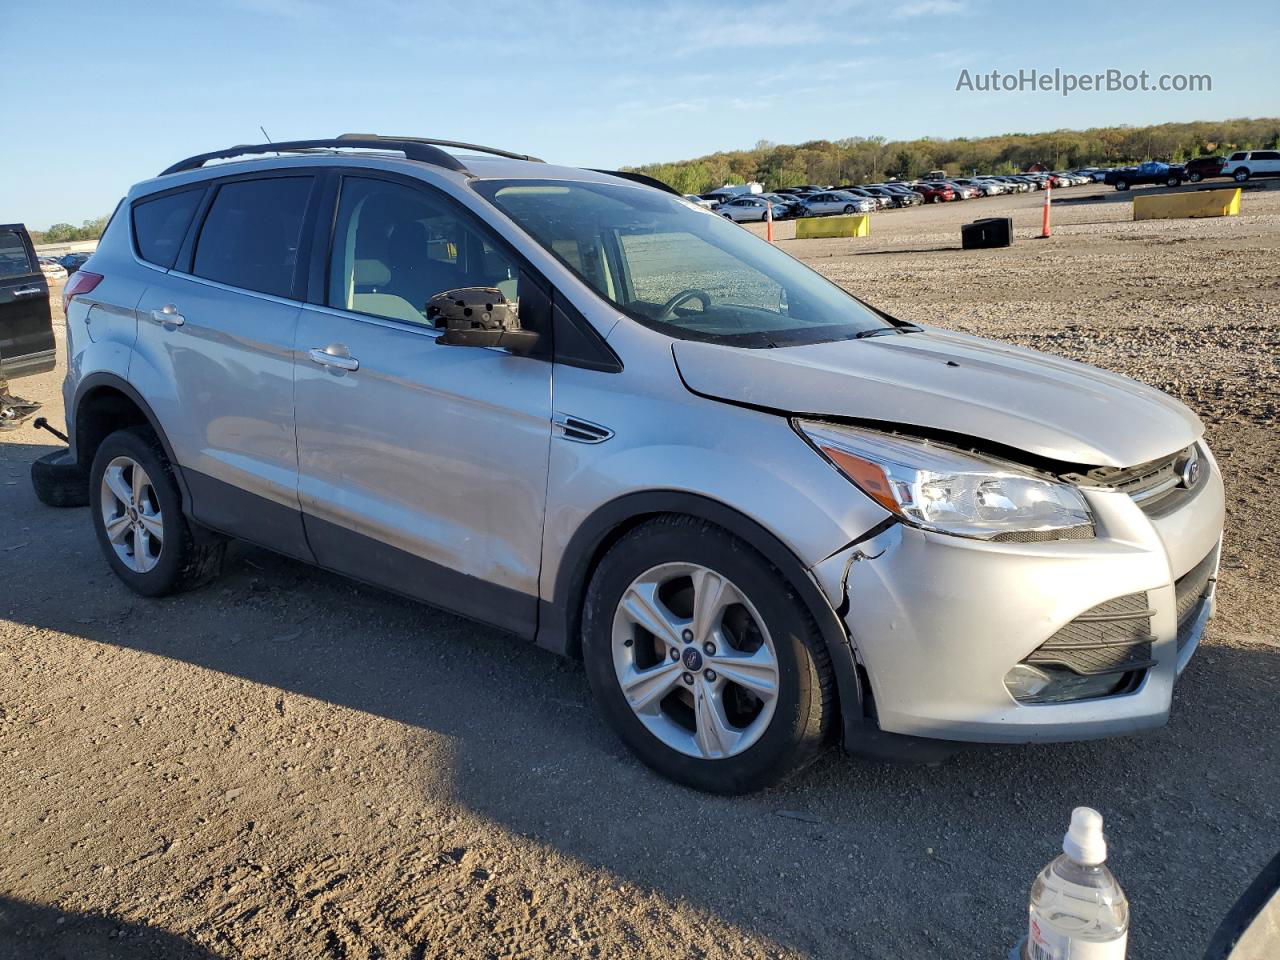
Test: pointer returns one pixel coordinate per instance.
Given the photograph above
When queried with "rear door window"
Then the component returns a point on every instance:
(160, 225)
(14, 259)
(250, 237)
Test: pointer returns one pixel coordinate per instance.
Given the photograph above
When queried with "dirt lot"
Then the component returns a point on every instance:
(287, 765)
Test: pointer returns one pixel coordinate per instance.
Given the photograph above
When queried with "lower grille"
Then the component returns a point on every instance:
(1190, 590)
(1113, 637)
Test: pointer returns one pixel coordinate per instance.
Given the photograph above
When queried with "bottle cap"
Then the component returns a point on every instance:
(1084, 842)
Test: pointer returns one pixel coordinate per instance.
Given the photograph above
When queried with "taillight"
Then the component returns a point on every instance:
(82, 281)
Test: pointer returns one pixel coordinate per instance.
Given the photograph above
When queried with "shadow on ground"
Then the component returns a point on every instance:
(29, 931)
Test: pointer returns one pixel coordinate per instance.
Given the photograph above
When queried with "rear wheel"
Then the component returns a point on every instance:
(1122, 184)
(704, 660)
(1173, 182)
(137, 514)
(1241, 175)
(1195, 177)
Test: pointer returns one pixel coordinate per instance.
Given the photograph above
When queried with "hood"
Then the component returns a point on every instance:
(1046, 406)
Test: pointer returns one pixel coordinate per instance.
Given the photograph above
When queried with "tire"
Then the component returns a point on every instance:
(848, 208)
(59, 481)
(1122, 184)
(1173, 182)
(1241, 175)
(765, 740)
(1195, 177)
(186, 557)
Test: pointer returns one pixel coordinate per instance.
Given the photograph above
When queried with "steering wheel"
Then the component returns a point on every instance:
(693, 293)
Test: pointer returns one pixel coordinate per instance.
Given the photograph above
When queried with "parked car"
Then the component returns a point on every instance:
(980, 188)
(765, 515)
(785, 207)
(1019, 184)
(700, 201)
(52, 270)
(1204, 168)
(878, 202)
(26, 323)
(962, 192)
(891, 198)
(71, 262)
(742, 209)
(1252, 163)
(905, 195)
(934, 191)
(1171, 175)
(821, 204)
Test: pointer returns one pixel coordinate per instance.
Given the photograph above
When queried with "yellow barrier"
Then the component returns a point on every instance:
(811, 228)
(1202, 203)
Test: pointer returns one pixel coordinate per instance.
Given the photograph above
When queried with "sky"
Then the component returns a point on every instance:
(101, 95)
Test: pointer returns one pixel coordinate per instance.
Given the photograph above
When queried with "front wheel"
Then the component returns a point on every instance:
(1173, 182)
(137, 514)
(1122, 185)
(1241, 175)
(704, 660)
(1195, 177)
(848, 208)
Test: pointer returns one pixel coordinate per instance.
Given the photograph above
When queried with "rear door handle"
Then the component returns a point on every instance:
(334, 355)
(168, 314)
(26, 292)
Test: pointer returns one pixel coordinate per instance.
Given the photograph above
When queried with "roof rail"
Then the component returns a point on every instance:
(423, 150)
(641, 178)
(458, 145)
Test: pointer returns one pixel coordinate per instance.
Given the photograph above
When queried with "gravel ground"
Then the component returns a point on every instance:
(288, 765)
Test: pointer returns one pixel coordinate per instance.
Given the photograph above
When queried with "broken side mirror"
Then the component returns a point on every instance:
(480, 317)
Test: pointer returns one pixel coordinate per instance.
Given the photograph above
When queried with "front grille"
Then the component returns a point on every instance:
(1190, 590)
(1113, 637)
(1156, 486)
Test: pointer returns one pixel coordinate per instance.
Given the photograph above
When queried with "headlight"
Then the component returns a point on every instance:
(940, 488)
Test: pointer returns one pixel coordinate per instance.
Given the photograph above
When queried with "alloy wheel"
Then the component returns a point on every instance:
(131, 514)
(695, 661)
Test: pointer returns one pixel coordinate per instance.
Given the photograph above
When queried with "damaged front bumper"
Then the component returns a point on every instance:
(938, 622)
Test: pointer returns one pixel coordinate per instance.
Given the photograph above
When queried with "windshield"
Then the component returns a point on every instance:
(680, 269)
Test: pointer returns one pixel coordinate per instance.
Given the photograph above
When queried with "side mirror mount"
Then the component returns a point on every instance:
(480, 317)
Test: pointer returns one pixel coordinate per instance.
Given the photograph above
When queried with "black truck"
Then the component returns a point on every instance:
(1171, 175)
(26, 324)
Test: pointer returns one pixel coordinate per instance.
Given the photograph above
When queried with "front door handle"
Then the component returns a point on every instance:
(26, 292)
(168, 314)
(334, 355)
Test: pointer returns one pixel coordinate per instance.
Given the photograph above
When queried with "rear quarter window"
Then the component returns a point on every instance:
(14, 259)
(160, 225)
(251, 234)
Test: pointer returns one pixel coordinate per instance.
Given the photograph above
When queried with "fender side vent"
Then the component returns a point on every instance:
(579, 430)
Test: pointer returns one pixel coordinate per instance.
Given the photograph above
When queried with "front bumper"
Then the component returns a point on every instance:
(937, 621)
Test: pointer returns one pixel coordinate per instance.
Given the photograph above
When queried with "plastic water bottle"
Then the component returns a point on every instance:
(1078, 911)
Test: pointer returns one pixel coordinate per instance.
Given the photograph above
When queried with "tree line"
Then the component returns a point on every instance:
(66, 233)
(871, 159)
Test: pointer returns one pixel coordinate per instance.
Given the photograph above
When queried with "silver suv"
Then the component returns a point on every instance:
(577, 407)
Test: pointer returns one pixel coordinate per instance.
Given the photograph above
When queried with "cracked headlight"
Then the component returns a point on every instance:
(951, 491)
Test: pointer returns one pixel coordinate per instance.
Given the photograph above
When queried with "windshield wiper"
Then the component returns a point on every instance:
(885, 331)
